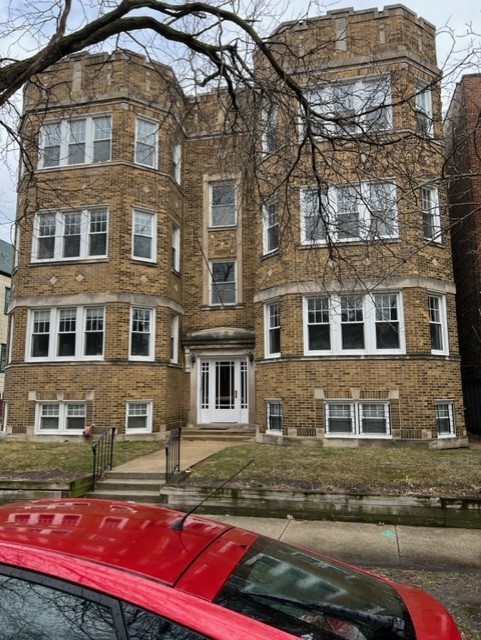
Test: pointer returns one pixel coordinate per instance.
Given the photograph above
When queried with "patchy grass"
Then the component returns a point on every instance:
(454, 472)
(58, 460)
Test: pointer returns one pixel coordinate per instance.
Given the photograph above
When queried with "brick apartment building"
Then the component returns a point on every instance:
(169, 274)
(463, 132)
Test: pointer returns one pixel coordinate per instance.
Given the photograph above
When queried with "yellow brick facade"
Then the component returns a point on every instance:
(209, 284)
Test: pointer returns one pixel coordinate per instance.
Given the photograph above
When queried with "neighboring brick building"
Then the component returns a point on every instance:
(463, 136)
(169, 275)
(6, 264)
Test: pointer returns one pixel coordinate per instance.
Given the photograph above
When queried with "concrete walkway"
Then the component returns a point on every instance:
(191, 452)
(373, 545)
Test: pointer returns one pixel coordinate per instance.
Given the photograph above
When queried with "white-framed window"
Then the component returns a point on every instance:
(223, 206)
(223, 283)
(269, 128)
(347, 213)
(144, 235)
(271, 226)
(353, 323)
(438, 326)
(176, 249)
(274, 416)
(351, 108)
(77, 141)
(431, 214)
(369, 418)
(445, 419)
(424, 109)
(272, 330)
(76, 234)
(146, 142)
(174, 339)
(177, 162)
(66, 333)
(142, 334)
(138, 417)
(60, 417)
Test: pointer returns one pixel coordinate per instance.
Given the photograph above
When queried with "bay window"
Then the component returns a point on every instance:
(79, 234)
(77, 141)
(353, 324)
(365, 211)
(70, 333)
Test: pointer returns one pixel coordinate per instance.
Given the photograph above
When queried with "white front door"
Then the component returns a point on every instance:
(223, 390)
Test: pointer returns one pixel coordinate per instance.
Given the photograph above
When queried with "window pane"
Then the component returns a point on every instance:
(319, 338)
(41, 334)
(143, 235)
(145, 148)
(76, 146)
(144, 625)
(274, 416)
(46, 236)
(72, 230)
(352, 325)
(373, 419)
(444, 418)
(75, 417)
(102, 135)
(51, 150)
(314, 205)
(49, 416)
(140, 332)
(223, 205)
(66, 332)
(348, 225)
(137, 417)
(339, 418)
(94, 327)
(387, 322)
(33, 611)
(223, 283)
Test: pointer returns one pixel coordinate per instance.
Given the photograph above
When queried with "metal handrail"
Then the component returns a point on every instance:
(172, 453)
(103, 454)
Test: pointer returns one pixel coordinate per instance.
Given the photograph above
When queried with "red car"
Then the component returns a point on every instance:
(81, 569)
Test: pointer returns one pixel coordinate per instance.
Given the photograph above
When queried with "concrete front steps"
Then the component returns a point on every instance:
(129, 485)
(227, 432)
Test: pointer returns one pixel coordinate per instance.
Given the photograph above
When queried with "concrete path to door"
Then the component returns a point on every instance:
(191, 452)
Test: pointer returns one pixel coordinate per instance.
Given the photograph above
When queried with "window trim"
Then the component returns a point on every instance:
(151, 333)
(329, 205)
(355, 409)
(64, 142)
(63, 415)
(151, 121)
(451, 418)
(59, 236)
(369, 325)
(442, 323)
(153, 237)
(148, 416)
(269, 329)
(53, 334)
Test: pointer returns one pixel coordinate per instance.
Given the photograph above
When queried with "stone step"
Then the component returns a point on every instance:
(148, 476)
(131, 496)
(128, 484)
(224, 435)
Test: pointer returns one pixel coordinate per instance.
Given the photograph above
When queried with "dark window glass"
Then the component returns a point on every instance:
(144, 625)
(30, 611)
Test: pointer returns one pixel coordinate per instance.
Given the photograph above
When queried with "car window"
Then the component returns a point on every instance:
(312, 597)
(33, 611)
(144, 625)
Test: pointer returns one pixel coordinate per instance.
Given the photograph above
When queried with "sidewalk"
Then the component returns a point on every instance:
(375, 545)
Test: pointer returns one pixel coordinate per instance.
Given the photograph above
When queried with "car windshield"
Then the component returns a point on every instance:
(313, 598)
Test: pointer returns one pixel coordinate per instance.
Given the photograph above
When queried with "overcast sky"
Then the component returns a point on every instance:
(458, 18)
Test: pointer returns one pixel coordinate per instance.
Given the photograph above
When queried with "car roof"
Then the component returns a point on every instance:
(129, 536)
